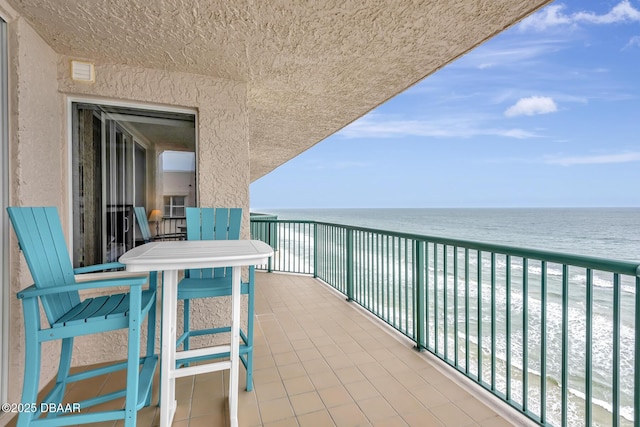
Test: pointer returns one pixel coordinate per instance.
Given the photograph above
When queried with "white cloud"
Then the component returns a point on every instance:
(633, 42)
(554, 15)
(514, 53)
(622, 12)
(380, 126)
(598, 159)
(550, 16)
(532, 106)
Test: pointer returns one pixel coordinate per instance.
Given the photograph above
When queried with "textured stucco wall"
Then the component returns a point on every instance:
(40, 81)
(37, 156)
(223, 153)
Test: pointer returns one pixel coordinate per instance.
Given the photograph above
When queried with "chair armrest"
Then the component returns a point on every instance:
(32, 291)
(98, 267)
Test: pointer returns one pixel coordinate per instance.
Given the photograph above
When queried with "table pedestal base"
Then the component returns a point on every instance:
(170, 354)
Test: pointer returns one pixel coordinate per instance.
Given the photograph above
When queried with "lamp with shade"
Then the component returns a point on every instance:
(156, 216)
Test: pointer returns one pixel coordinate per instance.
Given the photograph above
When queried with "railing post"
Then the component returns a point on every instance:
(315, 249)
(349, 255)
(418, 282)
(269, 225)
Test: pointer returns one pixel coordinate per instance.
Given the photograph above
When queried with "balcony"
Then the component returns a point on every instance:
(508, 335)
(553, 335)
(321, 361)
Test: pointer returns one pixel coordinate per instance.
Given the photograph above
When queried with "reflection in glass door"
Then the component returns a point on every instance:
(103, 187)
(116, 157)
(118, 149)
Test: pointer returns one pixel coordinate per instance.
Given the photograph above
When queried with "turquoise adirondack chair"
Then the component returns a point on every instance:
(216, 224)
(143, 224)
(145, 231)
(41, 239)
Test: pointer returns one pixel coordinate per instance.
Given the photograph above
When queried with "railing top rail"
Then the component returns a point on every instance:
(603, 264)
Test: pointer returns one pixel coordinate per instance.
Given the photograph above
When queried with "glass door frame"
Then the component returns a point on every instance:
(4, 222)
(70, 100)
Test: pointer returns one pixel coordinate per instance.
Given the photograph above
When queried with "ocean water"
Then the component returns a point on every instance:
(612, 233)
(603, 232)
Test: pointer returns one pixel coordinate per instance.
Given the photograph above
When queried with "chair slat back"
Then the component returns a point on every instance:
(42, 241)
(141, 218)
(213, 224)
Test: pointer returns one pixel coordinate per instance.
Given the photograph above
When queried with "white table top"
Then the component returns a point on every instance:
(187, 254)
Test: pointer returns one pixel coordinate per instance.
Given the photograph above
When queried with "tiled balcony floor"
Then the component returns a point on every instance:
(320, 361)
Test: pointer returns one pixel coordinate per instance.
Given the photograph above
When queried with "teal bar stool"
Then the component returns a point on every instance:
(216, 224)
(42, 242)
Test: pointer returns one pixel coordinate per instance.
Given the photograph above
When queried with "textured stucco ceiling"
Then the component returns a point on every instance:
(311, 67)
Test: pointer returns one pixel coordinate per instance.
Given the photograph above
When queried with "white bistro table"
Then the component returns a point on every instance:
(170, 257)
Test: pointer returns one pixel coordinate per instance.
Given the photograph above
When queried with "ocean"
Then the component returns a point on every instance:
(612, 233)
(603, 232)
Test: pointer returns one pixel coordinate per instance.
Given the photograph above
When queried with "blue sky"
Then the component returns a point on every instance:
(546, 114)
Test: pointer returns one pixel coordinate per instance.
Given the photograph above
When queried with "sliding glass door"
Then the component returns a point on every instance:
(119, 189)
(104, 187)
(116, 167)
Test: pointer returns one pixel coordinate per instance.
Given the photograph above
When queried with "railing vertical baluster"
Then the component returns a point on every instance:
(479, 262)
(406, 284)
(543, 343)
(565, 345)
(269, 265)
(315, 249)
(341, 257)
(389, 264)
(325, 251)
(349, 264)
(466, 309)
(364, 267)
(588, 377)
(393, 281)
(428, 302)
(397, 281)
(435, 295)
(372, 274)
(297, 232)
(636, 362)
(382, 276)
(290, 246)
(361, 265)
(282, 246)
(493, 321)
(344, 258)
(333, 250)
(455, 305)
(372, 266)
(380, 273)
(353, 252)
(420, 289)
(525, 336)
(369, 269)
(508, 326)
(445, 309)
(309, 253)
(616, 350)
